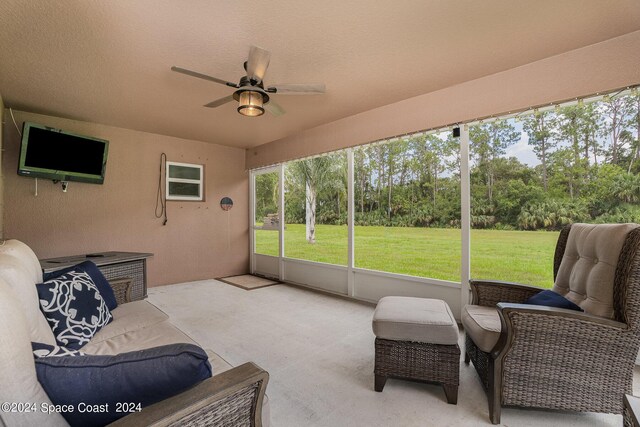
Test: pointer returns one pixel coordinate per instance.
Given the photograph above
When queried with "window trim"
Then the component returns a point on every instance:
(465, 226)
(199, 182)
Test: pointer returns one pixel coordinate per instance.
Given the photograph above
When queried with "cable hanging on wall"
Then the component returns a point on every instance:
(161, 197)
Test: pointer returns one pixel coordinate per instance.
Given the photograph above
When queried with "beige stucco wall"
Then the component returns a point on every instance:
(608, 65)
(199, 241)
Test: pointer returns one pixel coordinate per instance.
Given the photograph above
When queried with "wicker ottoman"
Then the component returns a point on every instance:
(417, 339)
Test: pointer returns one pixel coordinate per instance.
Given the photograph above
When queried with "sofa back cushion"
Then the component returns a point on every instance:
(26, 256)
(14, 274)
(587, 271)
(17, 369)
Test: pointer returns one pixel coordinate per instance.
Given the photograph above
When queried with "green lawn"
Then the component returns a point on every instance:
(519, 256)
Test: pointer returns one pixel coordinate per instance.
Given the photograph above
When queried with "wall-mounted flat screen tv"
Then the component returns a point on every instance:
(61, 156)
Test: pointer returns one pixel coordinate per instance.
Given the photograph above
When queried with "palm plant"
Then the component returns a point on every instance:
(626, 187)
(315, 175)
(551, 215)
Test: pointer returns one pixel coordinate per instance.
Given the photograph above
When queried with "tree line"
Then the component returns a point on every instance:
(588, 169)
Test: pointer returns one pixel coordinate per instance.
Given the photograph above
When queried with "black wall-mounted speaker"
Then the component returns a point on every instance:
(456, 132)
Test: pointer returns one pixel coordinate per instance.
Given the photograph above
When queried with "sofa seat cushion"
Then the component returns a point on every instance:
(482, 325)
(162, 333)
(130, 317)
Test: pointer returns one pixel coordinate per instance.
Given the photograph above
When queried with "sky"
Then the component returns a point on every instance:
(521, 150)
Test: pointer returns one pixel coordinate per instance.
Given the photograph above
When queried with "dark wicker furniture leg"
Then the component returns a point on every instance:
(418, 362)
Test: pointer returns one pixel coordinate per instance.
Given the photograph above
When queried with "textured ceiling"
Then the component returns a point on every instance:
(108, 61)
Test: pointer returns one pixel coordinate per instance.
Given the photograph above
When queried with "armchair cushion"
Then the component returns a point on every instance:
(140, 378)
(548, 298)
(73, 307)
(587, 271)
(482, 325)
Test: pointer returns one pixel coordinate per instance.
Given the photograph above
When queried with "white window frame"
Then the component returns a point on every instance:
(259, 263)
(200, 182)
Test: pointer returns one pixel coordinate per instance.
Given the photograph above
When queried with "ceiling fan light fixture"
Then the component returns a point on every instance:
(250, 103)
(251, 94)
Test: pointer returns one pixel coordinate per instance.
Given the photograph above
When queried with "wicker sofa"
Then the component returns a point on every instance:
(543, 357)
(233, 396)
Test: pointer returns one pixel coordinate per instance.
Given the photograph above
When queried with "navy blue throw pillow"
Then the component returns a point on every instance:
(73, 307)
(96, 275)
(549, 298)
(139, 377)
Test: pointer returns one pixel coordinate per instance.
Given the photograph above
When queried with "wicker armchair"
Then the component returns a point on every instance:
(542, 357)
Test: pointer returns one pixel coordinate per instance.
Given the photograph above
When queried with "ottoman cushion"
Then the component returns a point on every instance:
(415, 319)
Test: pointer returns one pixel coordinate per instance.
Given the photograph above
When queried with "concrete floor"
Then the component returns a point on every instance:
(318, 350)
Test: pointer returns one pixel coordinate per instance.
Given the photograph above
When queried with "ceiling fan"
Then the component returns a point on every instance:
(253, 98)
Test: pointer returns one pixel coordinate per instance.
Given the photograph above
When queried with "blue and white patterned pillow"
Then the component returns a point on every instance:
(106, 291)
(73, 307)
(46, 350)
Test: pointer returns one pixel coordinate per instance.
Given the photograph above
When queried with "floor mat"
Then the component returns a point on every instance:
(249, 282)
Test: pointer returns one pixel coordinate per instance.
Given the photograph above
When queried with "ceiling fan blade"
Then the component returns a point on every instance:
(202, 76)
(219, 102)
(257, 63)
(298, 89)
(274, 108)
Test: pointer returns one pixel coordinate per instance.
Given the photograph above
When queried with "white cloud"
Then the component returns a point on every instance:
(522, 151)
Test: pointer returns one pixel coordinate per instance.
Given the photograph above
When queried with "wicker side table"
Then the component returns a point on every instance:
(113, 265)
(417, 340)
